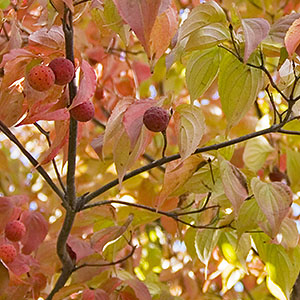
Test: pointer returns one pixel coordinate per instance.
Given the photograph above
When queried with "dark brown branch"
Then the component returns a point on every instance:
(71, 189)
(67, 263)
(32, 160)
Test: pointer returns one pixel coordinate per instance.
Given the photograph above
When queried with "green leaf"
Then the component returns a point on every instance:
(192, 127)
(114, 20)
(202, 68)
(205, 242)
(207, 36)
(274, 199)
(4, 4)
(282, 266)
(238, 87)
(256, 152)
(293, 167)
(288, 235)
(202, 15)
(250, 215)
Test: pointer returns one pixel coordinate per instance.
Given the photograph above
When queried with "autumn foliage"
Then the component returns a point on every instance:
(149, 149)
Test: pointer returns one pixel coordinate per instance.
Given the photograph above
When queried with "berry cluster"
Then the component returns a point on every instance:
(60, 71)
(14, 232)
(156, 119)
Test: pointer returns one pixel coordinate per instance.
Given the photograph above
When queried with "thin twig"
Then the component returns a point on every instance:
(108, 263)
(166, 159)
(172, 214)
(32, 160)
(46, 134)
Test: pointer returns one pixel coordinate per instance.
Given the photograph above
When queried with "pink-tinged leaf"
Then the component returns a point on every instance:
(124, 155)
(61, 138)
(140, 289)
(96, 294)
(133, 118)
(43, 111)
(52, 38)
(96, 54)
(192, 128)
(234, 184)
(141, 16)
(280, 27)
(274, 199)
(22, 264)
(15, 41)
(114, 124)
(164, 28)
(288, 235)
(87, 85)
(292, 37)
(100, 238)
(255, 31)
(4, 278)
(80, 247)
(36, 230)
(97, 145)
(6, 210)
(111, 284)
(11, 103)
(14, 53)
(176, 175)
(142, 71)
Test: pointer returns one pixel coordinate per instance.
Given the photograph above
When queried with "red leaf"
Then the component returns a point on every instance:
(21, 264)
(36, 230)
(6, 209)
(61, 138)
(141, 70)
(87, 86)
(255, 31)
(105, 235)
(43, 111)
(14, 53)
(52, 38)
(97, 145)
(111, 284)
(141, 16)
(140, 289)
(292, 37)
(133, 119)
(94, 295)
(80, 247)
(163, 30)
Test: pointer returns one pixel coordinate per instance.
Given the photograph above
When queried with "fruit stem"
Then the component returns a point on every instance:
(165, 142)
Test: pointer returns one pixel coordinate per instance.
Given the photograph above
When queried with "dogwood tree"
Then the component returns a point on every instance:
(149, 149)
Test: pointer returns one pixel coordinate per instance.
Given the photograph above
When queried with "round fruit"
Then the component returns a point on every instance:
(41, 78)
(156, 119)
(8, 253)
(83, 112)
(15, 230)
(63, 69)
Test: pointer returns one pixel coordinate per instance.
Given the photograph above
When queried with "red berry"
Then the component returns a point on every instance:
(63, 69)
(8, 253)
(156, 119)
(83, 112)
(15, 230)
(41, 78)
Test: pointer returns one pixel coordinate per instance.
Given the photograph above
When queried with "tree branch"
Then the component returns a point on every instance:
(32, 160)
(89, 197)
